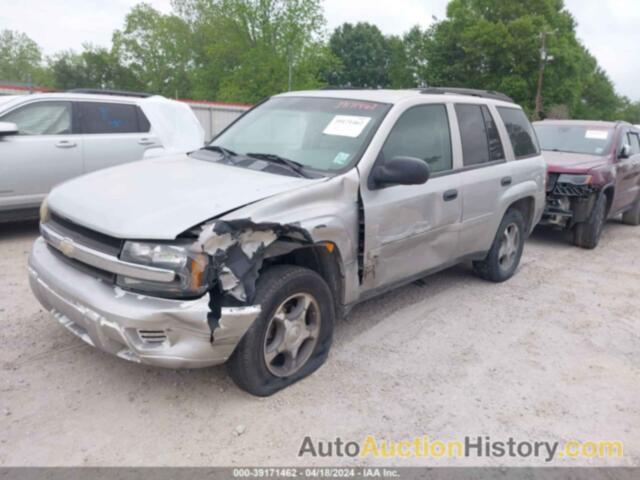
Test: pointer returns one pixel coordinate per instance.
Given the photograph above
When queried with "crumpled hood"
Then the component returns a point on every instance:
(572, 162)
(158, 199)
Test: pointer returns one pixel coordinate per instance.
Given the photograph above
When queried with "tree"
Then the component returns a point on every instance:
(495, 45)
(246, 50)
(365, 55)
(20, 59)
(95, 67)
(157, 49)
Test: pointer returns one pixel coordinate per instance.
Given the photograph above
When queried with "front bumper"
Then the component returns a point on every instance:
(149, 330)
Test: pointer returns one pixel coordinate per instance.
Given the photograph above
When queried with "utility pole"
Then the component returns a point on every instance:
(543, 63)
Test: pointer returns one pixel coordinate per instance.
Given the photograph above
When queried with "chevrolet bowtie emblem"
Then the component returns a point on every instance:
(67, 247)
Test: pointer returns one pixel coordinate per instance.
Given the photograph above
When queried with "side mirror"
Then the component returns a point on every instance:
(7, 128)
(625, 151)
(400, 171)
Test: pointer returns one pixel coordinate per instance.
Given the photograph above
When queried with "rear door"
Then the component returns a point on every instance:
(628, 173)
(484, 176)
(411, 229)
(46, 152)
(113, 133)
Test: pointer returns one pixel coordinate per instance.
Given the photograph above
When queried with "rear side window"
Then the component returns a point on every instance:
(422, 132)
(634, 141)
(96, 117)
(523, 138)
(480, 139)
(42, 118)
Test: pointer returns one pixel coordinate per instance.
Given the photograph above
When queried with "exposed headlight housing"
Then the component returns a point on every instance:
(575, 179)
(192, 269)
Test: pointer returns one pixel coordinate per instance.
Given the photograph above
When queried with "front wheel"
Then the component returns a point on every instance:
(587, 234)
(291, 337)
(504, 257)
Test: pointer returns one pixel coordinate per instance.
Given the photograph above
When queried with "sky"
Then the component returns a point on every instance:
(608, 28)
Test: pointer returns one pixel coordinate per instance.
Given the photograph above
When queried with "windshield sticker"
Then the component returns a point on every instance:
(341, 159)
(599, 150)
(351, 105)
(596, 134)
(346, 126)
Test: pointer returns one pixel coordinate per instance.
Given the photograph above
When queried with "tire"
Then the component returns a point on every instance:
(632, 216)
(283, 291)
(503, 259)
(587, 234)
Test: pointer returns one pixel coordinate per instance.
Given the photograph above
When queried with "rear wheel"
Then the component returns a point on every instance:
(292, 335)
(587, 234)
(632, 217)
(504, 257)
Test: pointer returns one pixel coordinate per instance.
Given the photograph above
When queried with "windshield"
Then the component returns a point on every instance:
(575, 139)
(325, 134)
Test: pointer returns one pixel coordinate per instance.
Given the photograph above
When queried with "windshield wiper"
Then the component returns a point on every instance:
(225, 152)
(291, 164)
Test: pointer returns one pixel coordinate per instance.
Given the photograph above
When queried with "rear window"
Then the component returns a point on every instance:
(104, 118)
(521, 133)
(480, 139)
(574, 138)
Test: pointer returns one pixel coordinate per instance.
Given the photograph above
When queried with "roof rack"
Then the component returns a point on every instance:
(468, 91)
(119, 93)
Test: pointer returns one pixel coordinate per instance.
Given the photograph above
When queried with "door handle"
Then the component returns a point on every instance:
(65, 144)
(145, 141)
(506, 181)
(450, 195)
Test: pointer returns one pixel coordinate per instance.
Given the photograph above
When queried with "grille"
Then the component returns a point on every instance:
(85, 236)
(568, 190)
(89, 238)
(152, 337)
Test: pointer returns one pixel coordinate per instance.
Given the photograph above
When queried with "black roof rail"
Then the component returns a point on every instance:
(119, 93)
(345, 87)
(468, 91)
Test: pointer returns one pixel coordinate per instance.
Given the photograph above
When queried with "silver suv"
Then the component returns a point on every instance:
(248, 250)
(47, 138)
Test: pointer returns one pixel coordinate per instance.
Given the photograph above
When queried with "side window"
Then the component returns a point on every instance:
(634, 141)
(105, 117)
(496, 152)
(422, 132)
(480, 139)
(523, 138)
(42, 118)
(143, 122)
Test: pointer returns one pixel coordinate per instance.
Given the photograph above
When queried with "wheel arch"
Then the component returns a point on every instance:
(324, 258)
(526, 206)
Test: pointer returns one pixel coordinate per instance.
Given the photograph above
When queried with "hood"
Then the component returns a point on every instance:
(572, 162)
(158, 199)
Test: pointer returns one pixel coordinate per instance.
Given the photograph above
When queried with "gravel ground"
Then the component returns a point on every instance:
(552, 354)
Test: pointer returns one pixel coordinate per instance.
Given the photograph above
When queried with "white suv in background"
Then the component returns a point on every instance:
(48, 138)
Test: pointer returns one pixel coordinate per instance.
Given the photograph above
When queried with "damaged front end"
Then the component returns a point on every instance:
(238, 249)
(570, 200)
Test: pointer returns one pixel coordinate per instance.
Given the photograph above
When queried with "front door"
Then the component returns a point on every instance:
(410, 230)
(45, 153)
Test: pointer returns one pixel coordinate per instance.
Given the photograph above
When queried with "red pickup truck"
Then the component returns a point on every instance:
(593, 175)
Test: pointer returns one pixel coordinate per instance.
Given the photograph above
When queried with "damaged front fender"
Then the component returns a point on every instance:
(238, 248)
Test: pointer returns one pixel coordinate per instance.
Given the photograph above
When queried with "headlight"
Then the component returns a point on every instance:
(192, 269)
(575, 179)
(44, 211)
